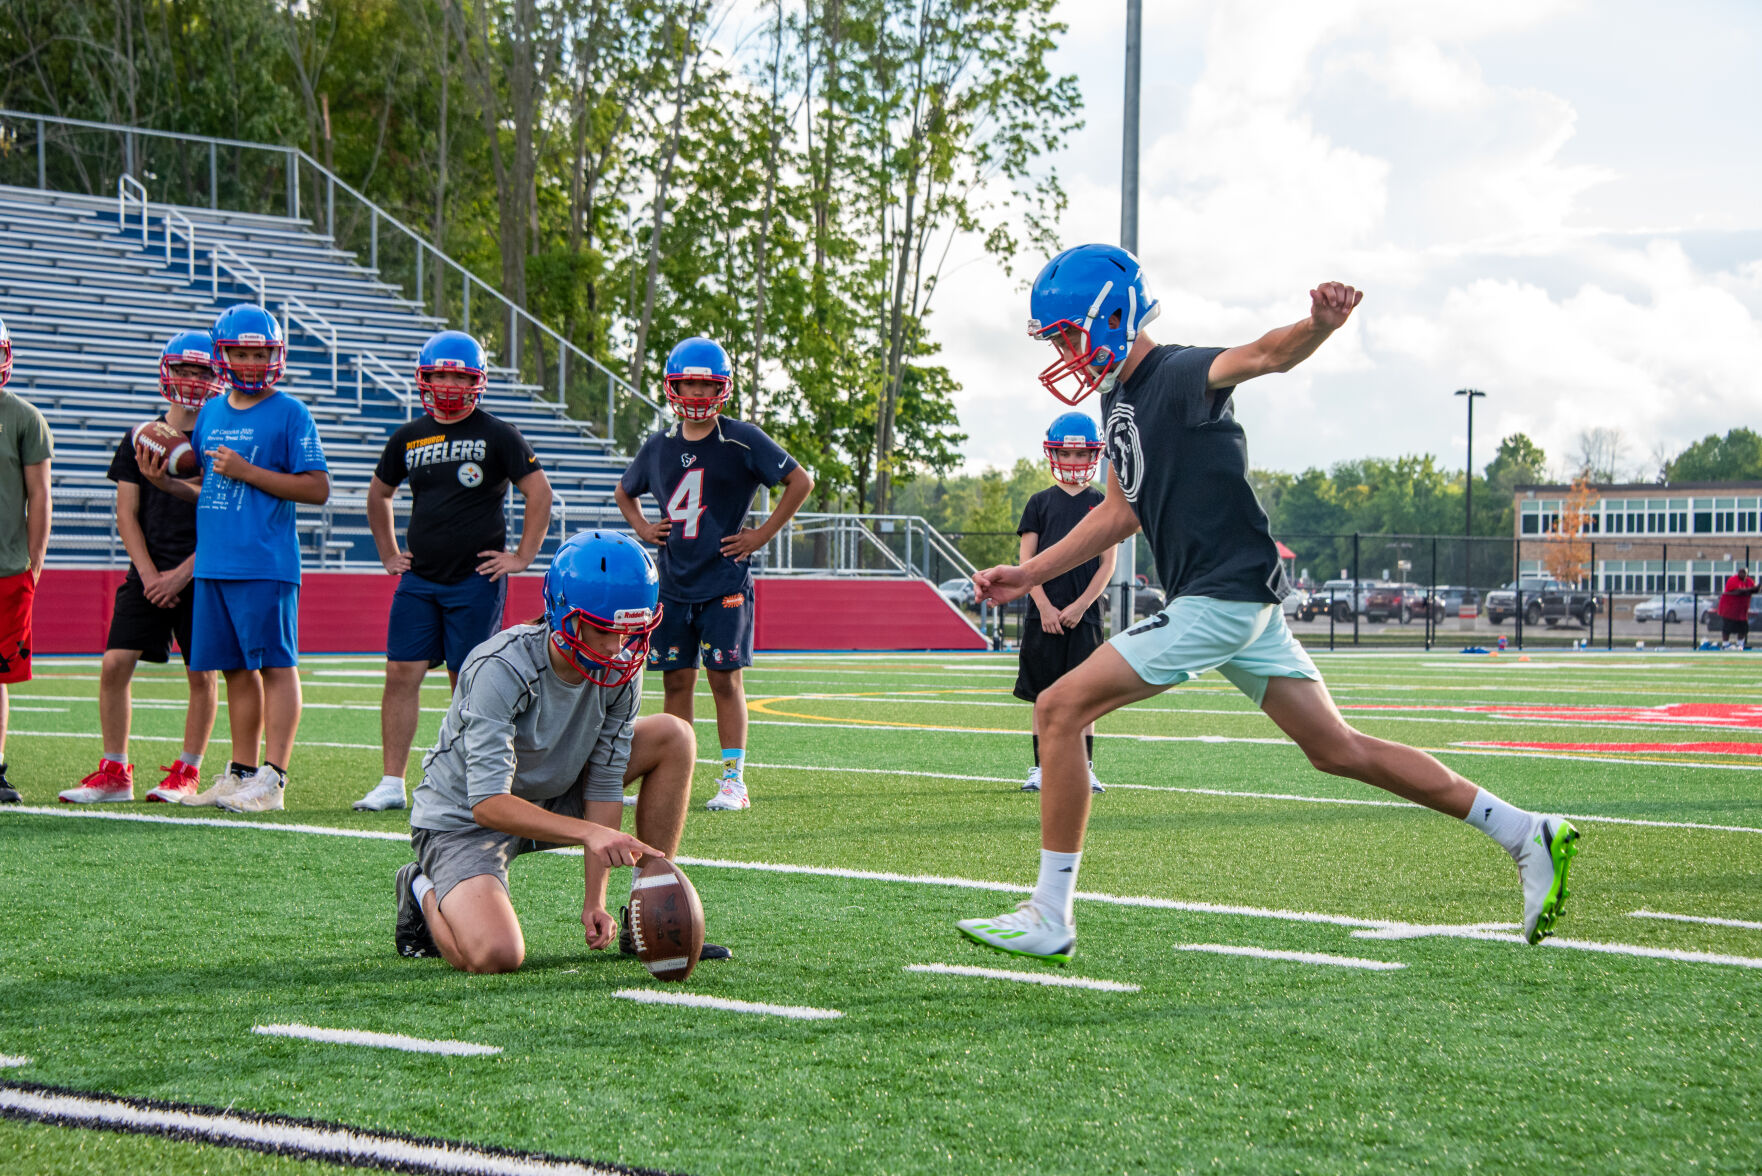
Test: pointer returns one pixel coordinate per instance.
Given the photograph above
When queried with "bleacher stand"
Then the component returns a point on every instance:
(92, 289)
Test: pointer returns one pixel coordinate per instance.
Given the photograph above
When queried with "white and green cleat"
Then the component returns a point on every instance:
(1542, 866)
(1023, 932)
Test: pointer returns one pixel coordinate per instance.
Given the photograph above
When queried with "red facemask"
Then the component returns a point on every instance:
(635, 624)
(189, 391)
(1073, 471)
(696, 408)
(441, 401)
(1079, 364)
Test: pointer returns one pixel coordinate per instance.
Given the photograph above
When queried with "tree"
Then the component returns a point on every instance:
(1601, 454)
(1565, 556)
(1735, 457)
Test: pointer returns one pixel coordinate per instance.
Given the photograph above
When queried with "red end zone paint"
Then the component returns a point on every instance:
(1753, 749)
(1722, 714)
(345, 612)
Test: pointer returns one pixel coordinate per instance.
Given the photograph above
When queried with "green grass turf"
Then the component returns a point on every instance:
(137, 957)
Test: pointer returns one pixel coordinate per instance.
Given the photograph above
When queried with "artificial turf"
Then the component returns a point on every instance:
(139, 956)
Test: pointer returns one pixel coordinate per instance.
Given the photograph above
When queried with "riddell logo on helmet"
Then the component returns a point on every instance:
(249, 338)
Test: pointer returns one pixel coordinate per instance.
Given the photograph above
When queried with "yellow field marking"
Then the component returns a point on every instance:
(763, 706)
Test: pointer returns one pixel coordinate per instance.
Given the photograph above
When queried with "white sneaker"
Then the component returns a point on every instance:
(731, 797)
(1023, 932)
(262, 793)
(630, 800)
(224, 786)
(1033, 784)
(1542, 865)
(387, 794)
(1095, 785)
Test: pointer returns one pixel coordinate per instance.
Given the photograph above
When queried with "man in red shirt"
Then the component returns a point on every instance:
(1734, 609)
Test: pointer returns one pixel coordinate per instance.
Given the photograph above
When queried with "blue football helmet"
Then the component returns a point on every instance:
(451, 351)
(605, 580)
(1073, 431)
(189, 349)
(698, 358)
(1073, 306)
(249, 325)
(5, 354)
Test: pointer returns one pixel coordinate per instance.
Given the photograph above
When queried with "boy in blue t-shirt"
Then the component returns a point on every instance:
(260, 455)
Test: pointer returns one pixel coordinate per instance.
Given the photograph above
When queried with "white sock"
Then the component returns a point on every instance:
(1056, 891)
(1504, 823)
(398, 780)
(420, 887)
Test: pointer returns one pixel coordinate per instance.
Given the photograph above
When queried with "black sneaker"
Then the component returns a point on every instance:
(412, 936)
(8, 794)
(627, 941)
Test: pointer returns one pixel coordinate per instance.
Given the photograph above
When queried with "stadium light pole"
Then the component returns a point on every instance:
(1470, 395)
(1125, 570)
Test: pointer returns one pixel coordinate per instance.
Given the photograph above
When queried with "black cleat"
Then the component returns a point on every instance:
(627, 941)
(412, 935)
(8, 794)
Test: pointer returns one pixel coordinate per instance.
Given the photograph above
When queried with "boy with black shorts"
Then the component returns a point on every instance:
(453, 580)
(705, 471)
(260, 455)
(1065, 627)
(155, 601)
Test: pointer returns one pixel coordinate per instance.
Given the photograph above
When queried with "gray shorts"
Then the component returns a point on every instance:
(449, 856)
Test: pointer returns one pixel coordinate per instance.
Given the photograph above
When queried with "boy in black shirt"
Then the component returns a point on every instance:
(154, 601)
(1178, 470)
(1067, 627)
(452, 583)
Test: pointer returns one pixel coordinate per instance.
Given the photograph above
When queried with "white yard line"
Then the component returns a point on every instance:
(692, 1000)
(1144, 901)
(278, 1135)
(1708, 920)
(1295, 957)
(397, 1041)
(1045, 978)
(1624, 949)
(13, 1061)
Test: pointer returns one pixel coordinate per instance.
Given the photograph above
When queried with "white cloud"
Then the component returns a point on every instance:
(1431, 153)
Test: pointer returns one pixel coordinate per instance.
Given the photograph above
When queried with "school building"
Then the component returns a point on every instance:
(1645, 537)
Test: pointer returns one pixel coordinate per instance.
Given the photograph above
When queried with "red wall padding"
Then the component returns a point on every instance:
(344, 612)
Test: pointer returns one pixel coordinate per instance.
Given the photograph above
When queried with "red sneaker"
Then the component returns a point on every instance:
(111, 782)
(181, 780)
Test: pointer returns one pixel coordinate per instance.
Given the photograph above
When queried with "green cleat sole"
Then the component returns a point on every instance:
(1563, 849)
(1061, 959)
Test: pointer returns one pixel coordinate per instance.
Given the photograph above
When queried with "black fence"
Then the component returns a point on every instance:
(1449, 592)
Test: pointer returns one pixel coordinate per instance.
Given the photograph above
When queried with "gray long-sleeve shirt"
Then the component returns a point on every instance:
(515, 727)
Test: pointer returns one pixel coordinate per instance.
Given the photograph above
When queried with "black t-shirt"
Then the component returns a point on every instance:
(706, 487)
(1182, 461)
(1051, 515)
(459, 475)
(167, 521)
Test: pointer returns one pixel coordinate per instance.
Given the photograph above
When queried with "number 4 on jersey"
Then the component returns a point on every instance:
(686, 506)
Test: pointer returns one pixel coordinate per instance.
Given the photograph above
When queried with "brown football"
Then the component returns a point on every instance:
(666, 918)
(170, 443)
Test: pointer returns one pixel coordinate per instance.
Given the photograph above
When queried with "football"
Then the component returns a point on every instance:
(666, 918)
(169, 443)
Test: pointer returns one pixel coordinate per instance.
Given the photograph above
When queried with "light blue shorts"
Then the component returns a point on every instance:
(1244, 641)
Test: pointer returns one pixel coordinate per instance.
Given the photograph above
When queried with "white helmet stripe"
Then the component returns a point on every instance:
(1095, 307)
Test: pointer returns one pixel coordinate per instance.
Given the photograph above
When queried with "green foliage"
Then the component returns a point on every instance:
(623, 169)
(1735, 457)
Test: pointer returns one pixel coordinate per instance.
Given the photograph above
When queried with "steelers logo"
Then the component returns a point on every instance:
(471, 475)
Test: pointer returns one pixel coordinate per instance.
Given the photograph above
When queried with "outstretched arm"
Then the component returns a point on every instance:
(1280, 350)
(1103, 527)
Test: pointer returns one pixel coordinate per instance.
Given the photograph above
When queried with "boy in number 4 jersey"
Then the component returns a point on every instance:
(704, 473)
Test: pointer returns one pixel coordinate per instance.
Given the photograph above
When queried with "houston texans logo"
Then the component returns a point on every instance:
(686, 459)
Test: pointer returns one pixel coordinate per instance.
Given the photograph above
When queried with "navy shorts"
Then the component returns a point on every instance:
(433, 622)
(720, 629)
(245, 625)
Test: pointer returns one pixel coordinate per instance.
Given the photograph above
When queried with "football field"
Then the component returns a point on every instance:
(1276, 970)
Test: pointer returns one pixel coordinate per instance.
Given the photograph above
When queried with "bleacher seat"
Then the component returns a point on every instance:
(90, 301)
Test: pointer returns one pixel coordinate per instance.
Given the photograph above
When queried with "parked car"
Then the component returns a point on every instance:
(1341, 598)
(958, 592)
(1296, 606)
(1548, 601)
(1147, 601)
(1710, 614)
(1674, 607)
(1452, 597)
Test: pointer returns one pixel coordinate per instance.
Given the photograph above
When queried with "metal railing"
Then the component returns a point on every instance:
(508, 321)
(126, 186)
(176, 221)
(388, 378)
(294, 311)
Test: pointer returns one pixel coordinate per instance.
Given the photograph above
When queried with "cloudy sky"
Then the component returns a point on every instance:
(1557, 202)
